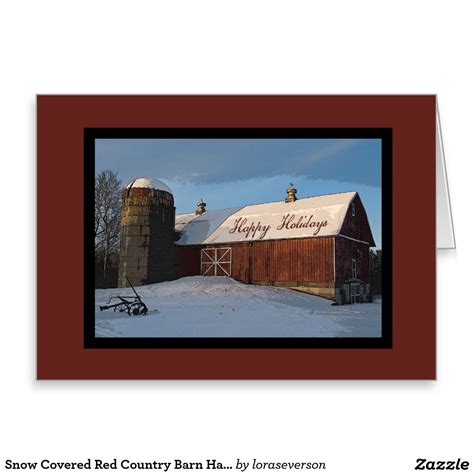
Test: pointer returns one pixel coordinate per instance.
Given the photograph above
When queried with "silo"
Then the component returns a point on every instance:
(147, 253)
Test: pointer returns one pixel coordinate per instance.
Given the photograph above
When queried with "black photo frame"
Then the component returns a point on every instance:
(93, 342)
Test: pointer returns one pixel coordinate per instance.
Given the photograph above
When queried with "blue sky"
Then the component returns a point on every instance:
(236, 172)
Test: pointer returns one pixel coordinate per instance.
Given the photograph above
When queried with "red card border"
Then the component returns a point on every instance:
(61, 124)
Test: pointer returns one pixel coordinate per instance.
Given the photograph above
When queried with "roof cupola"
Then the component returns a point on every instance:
(201, 207)
(291, 194)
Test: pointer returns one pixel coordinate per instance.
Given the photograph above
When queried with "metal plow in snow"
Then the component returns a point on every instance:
(133, 305)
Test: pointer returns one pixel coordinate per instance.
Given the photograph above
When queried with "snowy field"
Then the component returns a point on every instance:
(222, 307)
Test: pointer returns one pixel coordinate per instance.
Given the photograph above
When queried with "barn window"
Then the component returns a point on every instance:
(354, 268)
(353, 209)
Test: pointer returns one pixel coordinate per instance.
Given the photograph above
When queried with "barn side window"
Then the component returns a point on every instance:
(354, 268)
(353, 209)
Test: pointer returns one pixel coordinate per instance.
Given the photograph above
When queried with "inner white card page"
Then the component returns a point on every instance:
(444, 222)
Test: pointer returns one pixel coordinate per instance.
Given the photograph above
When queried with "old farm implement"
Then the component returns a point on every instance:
(127, 304)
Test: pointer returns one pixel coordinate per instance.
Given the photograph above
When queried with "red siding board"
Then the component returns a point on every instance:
(188, 261)
(298, 260)
(346, 250)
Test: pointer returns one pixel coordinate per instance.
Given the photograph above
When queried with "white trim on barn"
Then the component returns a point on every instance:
(355, 240)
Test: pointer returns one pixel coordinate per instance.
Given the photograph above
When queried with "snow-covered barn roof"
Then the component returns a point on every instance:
(308, 217)
(182, 220)
(200, 227)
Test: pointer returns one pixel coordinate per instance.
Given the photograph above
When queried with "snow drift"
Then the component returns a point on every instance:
(222, 307)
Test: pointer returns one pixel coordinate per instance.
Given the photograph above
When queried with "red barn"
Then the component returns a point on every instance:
(318, 245)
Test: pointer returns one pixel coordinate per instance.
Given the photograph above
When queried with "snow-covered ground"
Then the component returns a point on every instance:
(222, 307)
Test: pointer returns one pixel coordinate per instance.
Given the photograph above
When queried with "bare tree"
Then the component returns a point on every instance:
(107, 216)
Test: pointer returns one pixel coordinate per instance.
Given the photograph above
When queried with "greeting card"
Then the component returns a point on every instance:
(250, 237)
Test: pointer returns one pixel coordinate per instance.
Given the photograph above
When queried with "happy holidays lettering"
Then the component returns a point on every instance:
(288, 221)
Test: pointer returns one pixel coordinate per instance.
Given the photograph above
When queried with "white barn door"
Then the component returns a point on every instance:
(216, 261)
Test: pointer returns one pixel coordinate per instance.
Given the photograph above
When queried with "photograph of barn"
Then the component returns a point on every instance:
(286, 251)
(318, 245)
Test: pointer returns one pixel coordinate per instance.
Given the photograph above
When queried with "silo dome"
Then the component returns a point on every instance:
(149, 183)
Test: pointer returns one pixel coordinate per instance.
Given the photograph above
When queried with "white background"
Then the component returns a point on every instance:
(235, 47)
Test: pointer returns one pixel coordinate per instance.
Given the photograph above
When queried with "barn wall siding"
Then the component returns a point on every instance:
(346, 250)
(188, 261)
(290, 262)
(301, 264)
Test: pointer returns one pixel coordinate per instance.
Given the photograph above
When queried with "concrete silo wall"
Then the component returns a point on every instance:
(147, 253)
